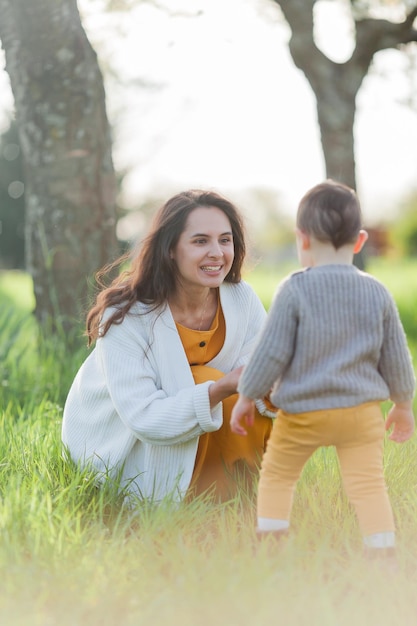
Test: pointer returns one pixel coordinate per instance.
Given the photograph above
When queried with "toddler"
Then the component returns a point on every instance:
(332, 349)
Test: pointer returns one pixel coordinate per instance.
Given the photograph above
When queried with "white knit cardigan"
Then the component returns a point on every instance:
(133, 409)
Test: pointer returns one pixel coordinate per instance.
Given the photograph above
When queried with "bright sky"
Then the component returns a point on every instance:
(232, 112)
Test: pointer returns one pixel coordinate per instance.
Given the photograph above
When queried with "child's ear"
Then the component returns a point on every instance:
(361, 241)
(303, 239)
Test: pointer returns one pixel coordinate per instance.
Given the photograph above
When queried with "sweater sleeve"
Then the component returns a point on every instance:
(395, 365)
(274, 349)
(153, 414)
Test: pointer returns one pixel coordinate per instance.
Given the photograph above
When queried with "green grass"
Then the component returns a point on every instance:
(70, 554)
(16, 288)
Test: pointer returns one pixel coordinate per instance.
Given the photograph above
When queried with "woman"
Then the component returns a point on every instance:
(150, 406)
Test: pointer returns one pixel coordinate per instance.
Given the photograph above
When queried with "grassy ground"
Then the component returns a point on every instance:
(70, 554)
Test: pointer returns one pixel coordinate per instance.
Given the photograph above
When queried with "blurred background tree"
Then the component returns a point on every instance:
(336, 84)
(12, 202)
(70, 185)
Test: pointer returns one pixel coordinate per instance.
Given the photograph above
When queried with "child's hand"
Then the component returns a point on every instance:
(244, 409)
(402, 418)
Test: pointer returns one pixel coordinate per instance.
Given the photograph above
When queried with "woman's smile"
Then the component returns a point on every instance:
(211, 268)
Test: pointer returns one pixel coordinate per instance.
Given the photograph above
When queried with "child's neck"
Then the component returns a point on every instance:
(325, 254)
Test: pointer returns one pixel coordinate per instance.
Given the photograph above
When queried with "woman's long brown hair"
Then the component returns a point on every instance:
(151, 276)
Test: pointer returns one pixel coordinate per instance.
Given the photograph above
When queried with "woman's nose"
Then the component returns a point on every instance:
(215, 250)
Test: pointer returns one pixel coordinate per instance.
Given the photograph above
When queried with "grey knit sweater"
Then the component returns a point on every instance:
(333, 338)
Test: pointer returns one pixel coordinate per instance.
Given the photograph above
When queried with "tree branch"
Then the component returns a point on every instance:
(299, 15)
(373, 35)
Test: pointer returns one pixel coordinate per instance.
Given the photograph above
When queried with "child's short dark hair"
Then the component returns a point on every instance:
(330, 212)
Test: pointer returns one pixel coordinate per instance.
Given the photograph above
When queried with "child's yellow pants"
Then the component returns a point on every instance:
(357, 434)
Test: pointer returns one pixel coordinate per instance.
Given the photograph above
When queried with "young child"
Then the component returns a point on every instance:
(332, 349)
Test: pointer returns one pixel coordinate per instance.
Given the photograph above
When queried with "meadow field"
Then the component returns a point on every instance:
(72, 555)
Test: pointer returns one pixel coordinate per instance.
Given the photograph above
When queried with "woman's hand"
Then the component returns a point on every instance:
(224, 387)
(244, 410)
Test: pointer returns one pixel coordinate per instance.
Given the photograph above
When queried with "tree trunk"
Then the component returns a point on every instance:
(336, 85)
(64, 134)
(335, 98)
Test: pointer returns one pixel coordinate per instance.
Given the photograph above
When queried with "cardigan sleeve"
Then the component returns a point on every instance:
(153, 414)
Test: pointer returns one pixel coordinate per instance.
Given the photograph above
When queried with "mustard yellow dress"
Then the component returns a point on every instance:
(224, 461)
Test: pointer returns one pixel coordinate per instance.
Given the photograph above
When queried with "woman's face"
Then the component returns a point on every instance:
(205, 251)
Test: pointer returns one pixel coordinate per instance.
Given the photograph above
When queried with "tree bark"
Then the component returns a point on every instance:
(70, 185)
(336, 85)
